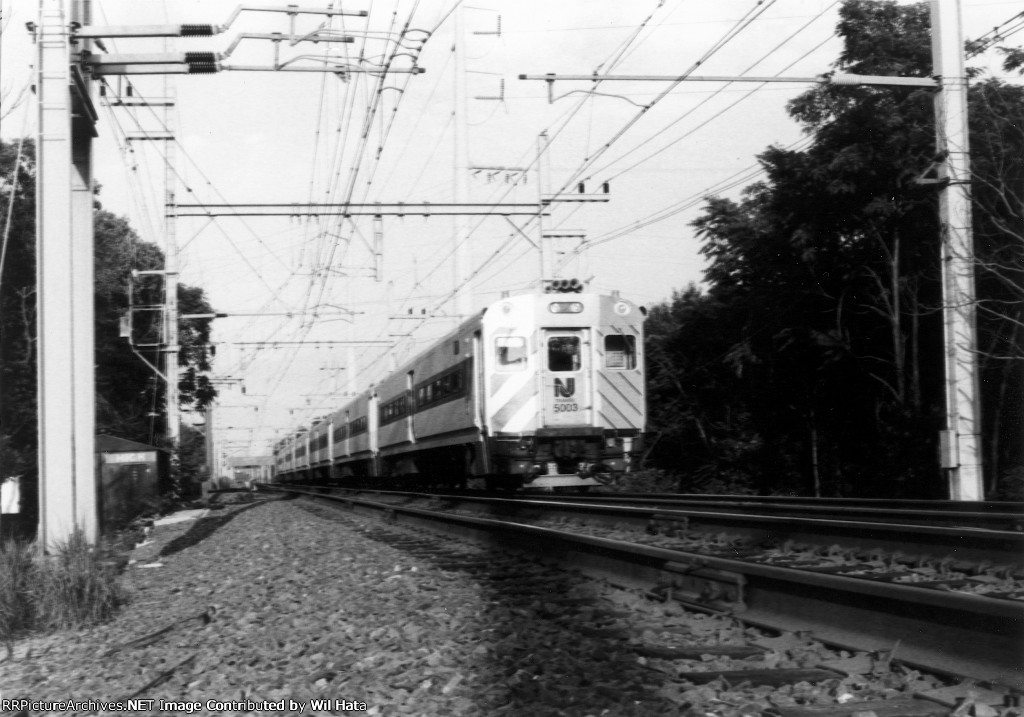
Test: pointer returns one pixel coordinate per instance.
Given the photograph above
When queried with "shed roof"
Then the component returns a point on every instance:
(113, 444)
(250, 461)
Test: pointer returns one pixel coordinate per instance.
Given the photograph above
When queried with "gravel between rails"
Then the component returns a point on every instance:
(276, 601)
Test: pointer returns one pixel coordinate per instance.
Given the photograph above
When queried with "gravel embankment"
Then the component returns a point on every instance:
(276, 602)
(284, 601)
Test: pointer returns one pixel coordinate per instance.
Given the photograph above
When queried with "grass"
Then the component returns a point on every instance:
(77, 585)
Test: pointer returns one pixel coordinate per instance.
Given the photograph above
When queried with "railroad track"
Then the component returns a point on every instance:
(929, 624)
(992, 515)
(979, 543)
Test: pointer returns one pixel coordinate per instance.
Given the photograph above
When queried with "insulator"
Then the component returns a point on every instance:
(203, 68)
(605, 187)
(580, 188)
(196, 30)
(200, 57)
(575, 286)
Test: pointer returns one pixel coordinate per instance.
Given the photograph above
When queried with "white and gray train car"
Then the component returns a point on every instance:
(542, 390)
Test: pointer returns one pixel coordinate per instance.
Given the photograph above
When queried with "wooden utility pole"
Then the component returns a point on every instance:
(961, 439)
(64, 276)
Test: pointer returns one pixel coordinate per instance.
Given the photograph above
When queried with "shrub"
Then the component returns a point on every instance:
(18, 572)
(76, 585)
(654, 480)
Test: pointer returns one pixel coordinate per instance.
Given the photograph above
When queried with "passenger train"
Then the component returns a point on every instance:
(541, 390)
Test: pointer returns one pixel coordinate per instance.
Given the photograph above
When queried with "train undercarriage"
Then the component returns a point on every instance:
(544, 459)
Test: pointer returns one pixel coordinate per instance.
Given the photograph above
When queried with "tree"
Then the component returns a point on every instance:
(824, 280)
(699, 424)
(125, 405)
(128, 391)
(17, 318)
(997, 170)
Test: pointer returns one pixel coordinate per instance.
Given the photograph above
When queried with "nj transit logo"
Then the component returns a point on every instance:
(565, 389)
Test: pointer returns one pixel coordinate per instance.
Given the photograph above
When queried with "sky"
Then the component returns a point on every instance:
(313, 311)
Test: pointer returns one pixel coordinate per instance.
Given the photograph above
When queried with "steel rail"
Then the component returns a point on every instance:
(955, 514)
(878, 510)
(939, 631)
(935, 543)
(913, 503)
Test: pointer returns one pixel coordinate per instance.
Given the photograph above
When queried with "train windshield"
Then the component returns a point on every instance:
(511, 353)
(564, 353)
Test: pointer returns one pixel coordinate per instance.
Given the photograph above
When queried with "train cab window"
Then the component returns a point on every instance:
(564, 353)
(510, 352)
(619, 352)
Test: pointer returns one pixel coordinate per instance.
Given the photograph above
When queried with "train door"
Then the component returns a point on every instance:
(329, 454)
(346, 446)
(565, 377)
(372, 427)
(477, 386)
(410, 406)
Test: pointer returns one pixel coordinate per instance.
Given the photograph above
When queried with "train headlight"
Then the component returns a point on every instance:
(565, 307)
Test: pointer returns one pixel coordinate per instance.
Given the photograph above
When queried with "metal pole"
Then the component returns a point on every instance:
(961, 439)
(210, 449)
(83, 300)
(171, 277)
(351, 362)
(546, 263)
(463, 297)
(66, 442)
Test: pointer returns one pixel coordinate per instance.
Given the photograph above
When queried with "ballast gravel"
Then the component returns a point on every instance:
(286, 607)
(267, 602)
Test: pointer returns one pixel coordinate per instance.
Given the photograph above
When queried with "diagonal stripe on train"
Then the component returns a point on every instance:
(613, 397)
(503, 415)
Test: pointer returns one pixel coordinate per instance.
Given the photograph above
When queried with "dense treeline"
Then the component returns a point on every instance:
(129, 395)
(811, 360)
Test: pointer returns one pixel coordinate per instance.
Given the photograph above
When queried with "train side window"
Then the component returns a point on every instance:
(510, 352)
(619, 352)
(564, 353)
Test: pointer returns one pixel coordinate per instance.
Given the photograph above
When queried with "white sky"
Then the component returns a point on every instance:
(292, 137)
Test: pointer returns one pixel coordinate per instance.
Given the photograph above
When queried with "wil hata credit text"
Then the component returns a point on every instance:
(185, 706)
